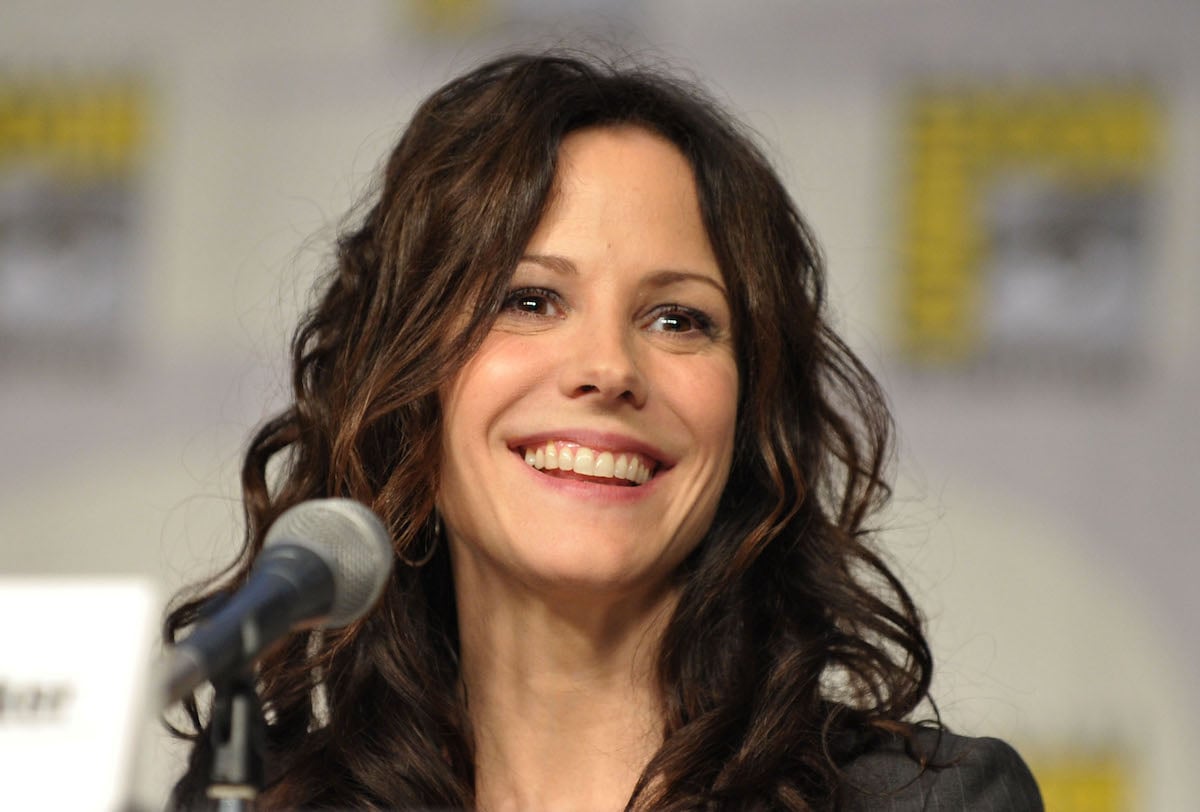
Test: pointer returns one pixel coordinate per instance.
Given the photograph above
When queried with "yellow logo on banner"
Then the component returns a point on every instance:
(448, 16)
(958, 142)
(71, 128)
(1083, 782)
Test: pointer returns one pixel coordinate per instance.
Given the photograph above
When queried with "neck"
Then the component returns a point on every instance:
(562, 696)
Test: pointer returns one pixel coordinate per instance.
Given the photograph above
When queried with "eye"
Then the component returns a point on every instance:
(533, 302)
(681, 320)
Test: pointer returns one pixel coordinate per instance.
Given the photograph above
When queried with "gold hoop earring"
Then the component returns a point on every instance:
(433, 534)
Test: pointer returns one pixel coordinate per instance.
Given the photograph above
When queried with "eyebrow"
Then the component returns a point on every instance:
(659, 279)
(552, 262)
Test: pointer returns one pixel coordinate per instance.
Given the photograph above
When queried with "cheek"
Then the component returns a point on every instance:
(477, 375)
(706, 400)
(500, 372)
(707, 394)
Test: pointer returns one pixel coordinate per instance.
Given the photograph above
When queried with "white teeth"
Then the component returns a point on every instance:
(585, 461)
(604, 464)
(588, 462)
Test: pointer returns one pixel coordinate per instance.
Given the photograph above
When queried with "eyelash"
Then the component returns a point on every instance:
(518, 297)
(539, 297)
(703, 322)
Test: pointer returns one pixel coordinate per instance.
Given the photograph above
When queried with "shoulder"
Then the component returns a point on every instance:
(964, 773)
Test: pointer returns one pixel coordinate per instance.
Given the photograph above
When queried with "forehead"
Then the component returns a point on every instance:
(625, 194)
(620, 141)
(627, 157)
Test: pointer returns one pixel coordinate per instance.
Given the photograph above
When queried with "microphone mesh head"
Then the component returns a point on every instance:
(351, 540)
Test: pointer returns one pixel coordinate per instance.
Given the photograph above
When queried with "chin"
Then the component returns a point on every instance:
(593, 572)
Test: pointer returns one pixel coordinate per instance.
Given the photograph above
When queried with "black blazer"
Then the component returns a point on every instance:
(978, 774)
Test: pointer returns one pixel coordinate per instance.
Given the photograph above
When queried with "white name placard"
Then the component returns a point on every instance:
(74, 662)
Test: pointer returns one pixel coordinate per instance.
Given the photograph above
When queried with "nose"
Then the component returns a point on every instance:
(602, 363)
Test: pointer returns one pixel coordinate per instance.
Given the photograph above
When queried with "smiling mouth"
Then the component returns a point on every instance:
(572, 461)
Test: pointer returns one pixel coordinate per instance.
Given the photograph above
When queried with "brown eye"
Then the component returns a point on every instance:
(530, 304)
(680, 320)
(533, 302)
(676, 323)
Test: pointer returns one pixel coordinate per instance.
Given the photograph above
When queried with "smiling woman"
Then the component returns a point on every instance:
(575, 356)
(615, 347)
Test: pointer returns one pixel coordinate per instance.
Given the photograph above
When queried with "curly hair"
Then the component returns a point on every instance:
(791, 635)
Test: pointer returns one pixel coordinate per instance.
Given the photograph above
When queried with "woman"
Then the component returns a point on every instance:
(576, 358)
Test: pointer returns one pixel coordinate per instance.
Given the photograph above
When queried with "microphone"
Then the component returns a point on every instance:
(323, 565)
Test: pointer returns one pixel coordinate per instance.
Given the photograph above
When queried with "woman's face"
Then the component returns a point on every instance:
(587, 442)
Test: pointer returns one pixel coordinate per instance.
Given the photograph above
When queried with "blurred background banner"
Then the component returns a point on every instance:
(71, 163)
(1007, 195)
(1028, 213)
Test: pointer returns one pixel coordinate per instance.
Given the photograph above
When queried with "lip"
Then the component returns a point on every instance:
(591, 490)
(588, 490)
(598, 440)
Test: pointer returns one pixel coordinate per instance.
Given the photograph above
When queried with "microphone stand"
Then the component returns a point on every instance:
(238, 735)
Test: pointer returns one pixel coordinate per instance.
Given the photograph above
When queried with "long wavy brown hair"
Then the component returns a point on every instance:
(792, 640)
